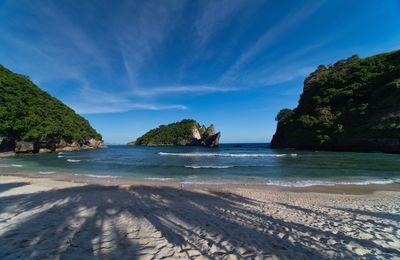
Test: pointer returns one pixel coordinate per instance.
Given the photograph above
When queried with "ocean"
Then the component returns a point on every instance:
(229, 163)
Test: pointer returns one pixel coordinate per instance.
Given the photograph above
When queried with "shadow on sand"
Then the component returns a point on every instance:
(8, 186)
(130, 223)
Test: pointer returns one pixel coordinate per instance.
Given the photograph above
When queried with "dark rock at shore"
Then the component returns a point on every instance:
(8, 145)
(24, 147)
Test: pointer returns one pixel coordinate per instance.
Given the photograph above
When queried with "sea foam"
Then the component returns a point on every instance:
(73, 160)
(158, 179)
(238, 155)
(99, 176)
(294, 184)
(46, 173)
(209, 166)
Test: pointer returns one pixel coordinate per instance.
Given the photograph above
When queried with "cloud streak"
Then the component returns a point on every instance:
(188, 89)
(93, 101)
(87, 109)
(109, 64)
(269, 38)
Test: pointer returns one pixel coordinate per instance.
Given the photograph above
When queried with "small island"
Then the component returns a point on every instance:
(32, 121)
(352, 105)
(187, 132)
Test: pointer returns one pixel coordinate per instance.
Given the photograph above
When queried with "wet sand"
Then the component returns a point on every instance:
(109, 218)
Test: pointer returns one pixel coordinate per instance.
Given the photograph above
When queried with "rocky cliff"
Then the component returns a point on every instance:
(353, 105)
(32, 121)
(187, 132)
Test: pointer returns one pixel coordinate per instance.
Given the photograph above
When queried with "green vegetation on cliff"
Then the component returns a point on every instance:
(351, 105)
(27, 113)
(173, 134)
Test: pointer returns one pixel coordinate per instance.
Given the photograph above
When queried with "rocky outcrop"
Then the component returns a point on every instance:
(8, 145)
(132, 143)
(32, 121)
(209, 137)
(352, 105)
(187, 132)
(24, 147)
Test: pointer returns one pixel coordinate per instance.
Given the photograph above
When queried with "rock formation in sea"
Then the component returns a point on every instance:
(353, 105)
(32, 121)
(187, 132)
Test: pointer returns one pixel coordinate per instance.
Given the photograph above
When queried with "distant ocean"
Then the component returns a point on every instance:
(230, 163)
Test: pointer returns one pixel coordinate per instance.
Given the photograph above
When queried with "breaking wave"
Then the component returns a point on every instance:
(209, 166)
(238, 155)
(46, 173)
(73, 160)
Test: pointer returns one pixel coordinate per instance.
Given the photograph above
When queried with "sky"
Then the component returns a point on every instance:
(129, 66)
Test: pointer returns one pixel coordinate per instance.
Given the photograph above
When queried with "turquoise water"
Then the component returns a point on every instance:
(228, 163)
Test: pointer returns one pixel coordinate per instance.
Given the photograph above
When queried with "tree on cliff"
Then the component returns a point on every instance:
(28, 113)
(353, 104)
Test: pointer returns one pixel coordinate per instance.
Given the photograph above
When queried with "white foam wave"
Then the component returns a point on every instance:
(159, 179)
(238, 155)
(294, 184)
(16, 165)
(326, 183)
(209, 166)
(60, 156)
(73, 160)
(46, 173)
(61, 153)
(100, 176)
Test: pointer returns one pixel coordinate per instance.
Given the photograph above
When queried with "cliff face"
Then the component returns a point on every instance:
(32, 121)
(353, 105)
(184, 133)
(204, 136)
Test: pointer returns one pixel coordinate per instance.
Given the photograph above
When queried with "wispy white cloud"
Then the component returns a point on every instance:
(293, 65)
(269, 38)
(216, 15)
(187, 89)
(284, 75)
(94, 101)
(83, 108)
(141, 35)
(64, 49)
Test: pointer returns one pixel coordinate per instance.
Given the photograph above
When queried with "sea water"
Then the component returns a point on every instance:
(229, 163)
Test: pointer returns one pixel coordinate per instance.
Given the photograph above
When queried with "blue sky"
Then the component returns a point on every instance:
(128, 66)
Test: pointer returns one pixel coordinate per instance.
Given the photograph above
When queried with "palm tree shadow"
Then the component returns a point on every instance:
(8, 186)
(113, 222)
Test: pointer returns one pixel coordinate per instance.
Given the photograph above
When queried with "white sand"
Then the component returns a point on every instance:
(42, 218)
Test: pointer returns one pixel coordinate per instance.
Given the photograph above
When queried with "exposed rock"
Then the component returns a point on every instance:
(96, 143)
(85, 144)
(208, 138)
(44, 150)
(6, 144)
(24, 147)
(9, 146)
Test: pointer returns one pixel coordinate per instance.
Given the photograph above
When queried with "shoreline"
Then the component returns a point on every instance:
(130, 181)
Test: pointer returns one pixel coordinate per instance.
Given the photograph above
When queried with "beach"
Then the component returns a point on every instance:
(61, 218)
